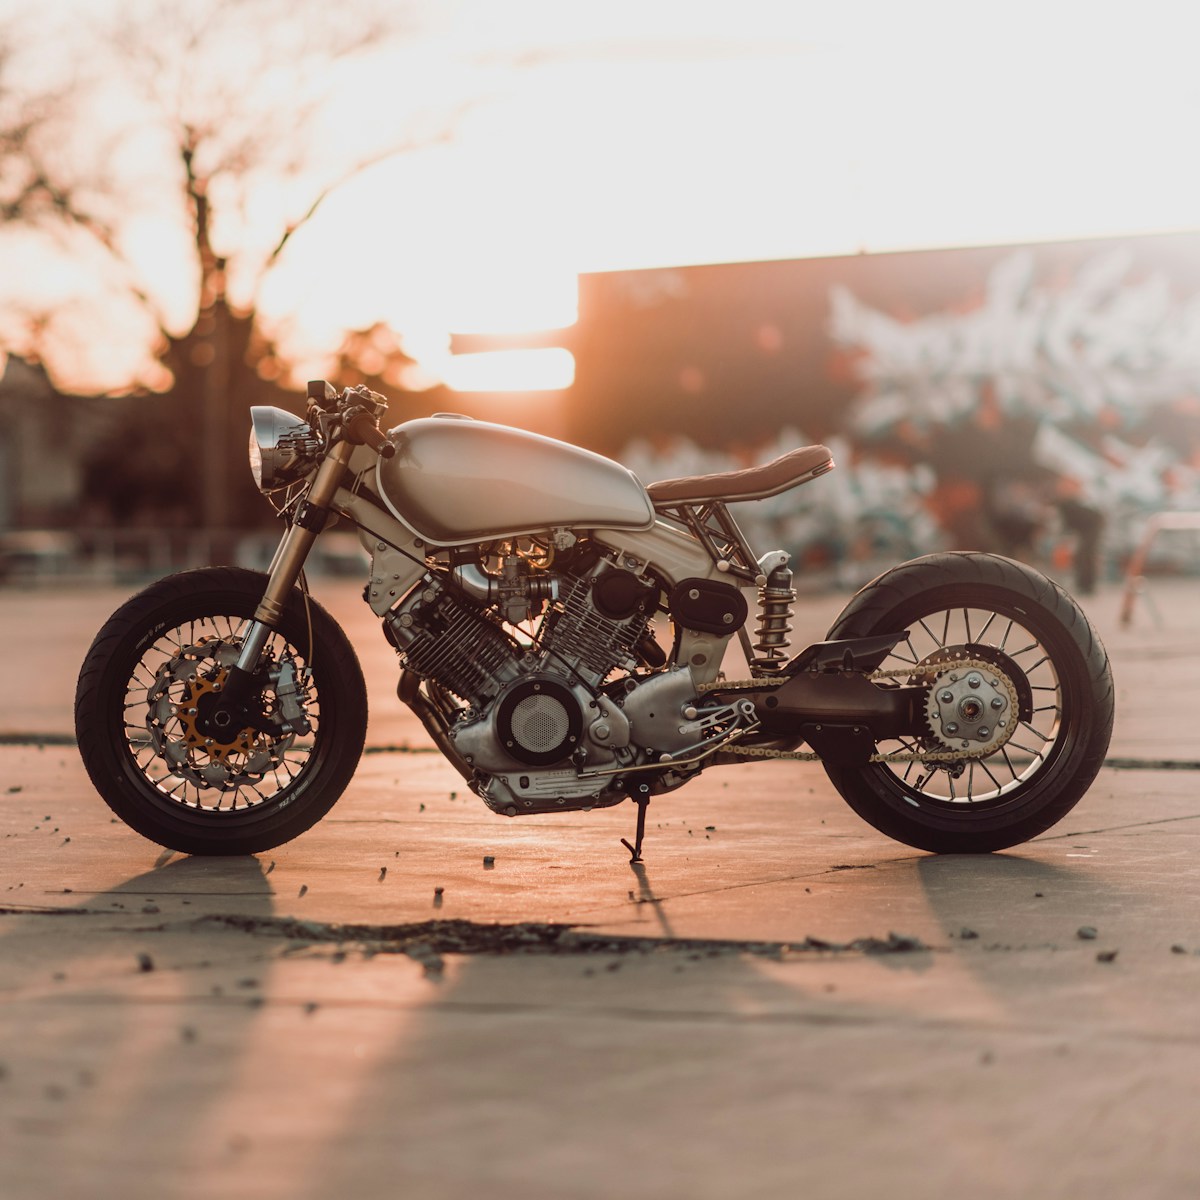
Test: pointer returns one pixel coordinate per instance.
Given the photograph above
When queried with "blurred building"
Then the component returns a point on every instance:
(728, 353)
(43, 438)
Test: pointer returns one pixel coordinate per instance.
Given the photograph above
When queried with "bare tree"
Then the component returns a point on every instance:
(190, 112)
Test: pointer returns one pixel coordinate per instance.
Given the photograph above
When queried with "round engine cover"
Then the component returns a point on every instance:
(539, 722)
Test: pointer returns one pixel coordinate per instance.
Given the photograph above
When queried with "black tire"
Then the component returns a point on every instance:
(244, 796)
(1066, 702)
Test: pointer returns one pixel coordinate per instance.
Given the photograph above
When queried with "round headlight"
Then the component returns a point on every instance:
(277, 444)
(256, 459)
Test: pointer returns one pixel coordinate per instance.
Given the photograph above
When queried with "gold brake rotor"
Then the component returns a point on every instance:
(242, 742)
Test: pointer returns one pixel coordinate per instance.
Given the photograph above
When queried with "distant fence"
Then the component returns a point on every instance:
(30, 557)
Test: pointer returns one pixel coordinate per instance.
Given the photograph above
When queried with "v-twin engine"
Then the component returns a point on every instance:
(551, 723)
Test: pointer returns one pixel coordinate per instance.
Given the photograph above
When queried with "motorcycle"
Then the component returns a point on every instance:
(962, 702)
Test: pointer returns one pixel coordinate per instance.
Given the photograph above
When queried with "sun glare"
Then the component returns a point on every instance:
(642, 135)
(561, 172)
(545, 370)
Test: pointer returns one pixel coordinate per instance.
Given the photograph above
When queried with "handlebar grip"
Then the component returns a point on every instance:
(362, 429)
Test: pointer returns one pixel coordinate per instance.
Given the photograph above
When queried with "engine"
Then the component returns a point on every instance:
(451, 627)
(550, 724)
(530, 708)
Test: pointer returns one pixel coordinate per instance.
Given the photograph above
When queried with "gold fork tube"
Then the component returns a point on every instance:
(297, 542)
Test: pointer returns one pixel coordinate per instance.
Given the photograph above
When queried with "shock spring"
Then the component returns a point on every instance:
(775, 600)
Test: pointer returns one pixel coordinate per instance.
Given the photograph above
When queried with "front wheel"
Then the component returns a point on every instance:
(151, 681)
(1009, 745)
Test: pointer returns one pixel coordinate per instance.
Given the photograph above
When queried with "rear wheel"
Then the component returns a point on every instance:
(1019, 710)
(166, 758)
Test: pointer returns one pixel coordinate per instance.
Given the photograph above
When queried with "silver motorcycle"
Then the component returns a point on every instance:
(962, 702)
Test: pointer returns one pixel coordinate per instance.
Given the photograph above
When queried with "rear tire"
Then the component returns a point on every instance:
(985, 607)
(152, 667)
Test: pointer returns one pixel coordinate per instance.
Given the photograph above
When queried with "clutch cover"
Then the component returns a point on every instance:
(539, 722)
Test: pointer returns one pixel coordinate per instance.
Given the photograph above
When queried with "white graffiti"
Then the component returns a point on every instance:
(1082, 360)
(1099, 353)
(1103, 341)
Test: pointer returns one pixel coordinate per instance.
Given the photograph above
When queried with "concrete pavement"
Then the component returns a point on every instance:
(780, 1002)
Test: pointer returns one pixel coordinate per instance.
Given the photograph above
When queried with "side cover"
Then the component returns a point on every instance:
(453, 481)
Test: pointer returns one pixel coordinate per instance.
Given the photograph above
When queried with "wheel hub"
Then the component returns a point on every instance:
(209, 727)
(967, 707)
(198, 737)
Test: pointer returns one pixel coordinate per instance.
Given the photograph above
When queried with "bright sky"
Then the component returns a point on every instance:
(643, 133)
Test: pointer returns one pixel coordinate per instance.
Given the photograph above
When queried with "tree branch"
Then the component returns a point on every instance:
(358, 168)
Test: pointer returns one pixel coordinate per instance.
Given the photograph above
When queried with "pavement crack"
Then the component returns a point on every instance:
(1152, 764)
(405, 749)
(437, 937)
(42, 910)
(1058, 837)
(36, 739)
(768, 882)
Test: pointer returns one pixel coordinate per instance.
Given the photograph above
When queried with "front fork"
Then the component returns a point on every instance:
(288, 563)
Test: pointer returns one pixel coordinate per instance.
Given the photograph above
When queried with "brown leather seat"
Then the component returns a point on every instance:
(754, 483)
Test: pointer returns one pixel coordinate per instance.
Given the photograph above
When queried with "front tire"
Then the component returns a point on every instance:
(139, 716)
(984, 608)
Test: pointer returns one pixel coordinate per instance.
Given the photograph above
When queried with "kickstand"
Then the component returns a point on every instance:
(641, 797)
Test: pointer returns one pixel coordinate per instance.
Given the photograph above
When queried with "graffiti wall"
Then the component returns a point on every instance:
(1041, 401)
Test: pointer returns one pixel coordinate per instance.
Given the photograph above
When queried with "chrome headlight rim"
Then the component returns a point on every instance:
(276, 440)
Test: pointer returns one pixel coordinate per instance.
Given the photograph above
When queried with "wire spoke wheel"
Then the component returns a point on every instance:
(194, 764)
(1027, 722)
(190, 772)
(1006, 721)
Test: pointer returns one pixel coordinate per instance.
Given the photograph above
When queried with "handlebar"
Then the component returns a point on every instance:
(362, 429)
(359, 409)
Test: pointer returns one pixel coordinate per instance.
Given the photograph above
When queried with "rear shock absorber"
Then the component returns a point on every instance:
(775, 600)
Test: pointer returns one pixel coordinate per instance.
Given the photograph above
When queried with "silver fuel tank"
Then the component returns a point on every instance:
(454, 480)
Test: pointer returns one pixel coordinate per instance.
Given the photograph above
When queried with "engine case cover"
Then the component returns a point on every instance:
(538, 722)
(454, 481)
